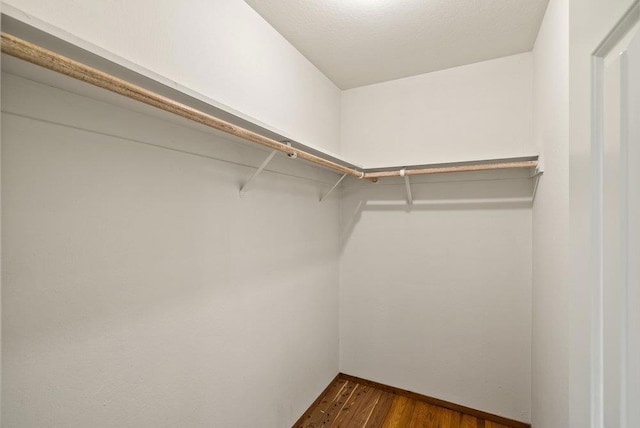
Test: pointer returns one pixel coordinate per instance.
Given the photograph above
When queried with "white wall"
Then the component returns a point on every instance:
(550, 337)
(221, 49)
(476, 111)
(139, 289)
(437, 298)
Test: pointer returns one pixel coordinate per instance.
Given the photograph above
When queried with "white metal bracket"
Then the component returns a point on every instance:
(257, 172)
(323, 197)
(407, 184)
(536, 177)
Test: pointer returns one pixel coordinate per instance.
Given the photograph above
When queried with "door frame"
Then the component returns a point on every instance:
(630, 19)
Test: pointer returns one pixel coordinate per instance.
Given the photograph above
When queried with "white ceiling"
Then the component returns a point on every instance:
(360, 42)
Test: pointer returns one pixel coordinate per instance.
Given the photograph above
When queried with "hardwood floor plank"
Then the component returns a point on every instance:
(469, 421)
(489, 424)
(379, 413)
(359, 399)
(421, 417)
(447, 418)
(364, 406)
(343, 412)
(430, 416)
(400, 412)
(339, 402)
(363, 413)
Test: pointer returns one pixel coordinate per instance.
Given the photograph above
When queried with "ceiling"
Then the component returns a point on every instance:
(360, 42)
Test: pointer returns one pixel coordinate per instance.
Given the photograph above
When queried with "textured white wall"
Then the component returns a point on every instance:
(221, 49)
(140, 290)
(550, 346)
(476, 111)
(437, 299)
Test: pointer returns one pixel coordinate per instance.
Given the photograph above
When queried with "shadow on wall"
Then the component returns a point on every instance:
(485, 190)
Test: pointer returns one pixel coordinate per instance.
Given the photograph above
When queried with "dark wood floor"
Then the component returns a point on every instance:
(354, 403)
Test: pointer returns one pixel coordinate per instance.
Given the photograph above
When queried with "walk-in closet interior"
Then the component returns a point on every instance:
(322, 213)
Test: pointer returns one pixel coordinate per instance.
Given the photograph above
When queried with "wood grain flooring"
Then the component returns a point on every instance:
(355, 403)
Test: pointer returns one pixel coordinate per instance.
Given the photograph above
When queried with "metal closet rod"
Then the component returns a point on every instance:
(42, 57)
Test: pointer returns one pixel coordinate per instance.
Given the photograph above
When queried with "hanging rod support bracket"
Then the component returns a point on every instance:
(536, 176)
(257, 172)
(323, 197)
(407, 183)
